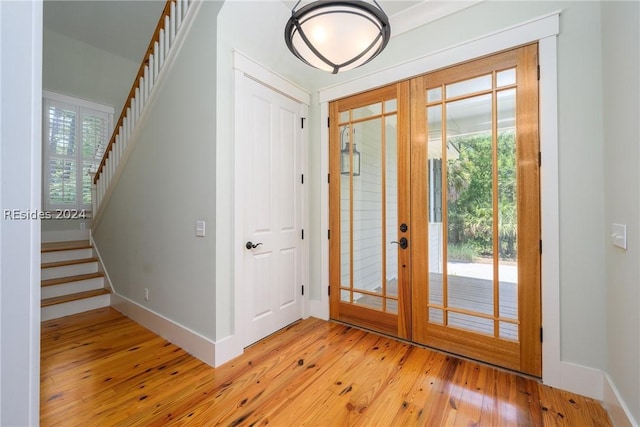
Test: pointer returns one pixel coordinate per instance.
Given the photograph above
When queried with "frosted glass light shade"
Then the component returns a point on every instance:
(337, 35)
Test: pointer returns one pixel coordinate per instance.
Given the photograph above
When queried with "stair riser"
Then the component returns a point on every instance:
(66, 255)
(72, 287)
(69, 270)
(74, 307)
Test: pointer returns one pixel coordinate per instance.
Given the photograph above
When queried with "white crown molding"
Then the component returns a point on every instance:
(425, 12)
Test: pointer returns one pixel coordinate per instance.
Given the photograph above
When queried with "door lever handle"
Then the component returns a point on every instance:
(250, 245)
(403, 243)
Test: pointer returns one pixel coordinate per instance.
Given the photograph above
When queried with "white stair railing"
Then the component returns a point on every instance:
(164, 39)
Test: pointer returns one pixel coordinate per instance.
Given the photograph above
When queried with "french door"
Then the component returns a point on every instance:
(435, 210)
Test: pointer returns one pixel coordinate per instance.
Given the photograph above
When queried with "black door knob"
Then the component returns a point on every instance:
(403, 243)
(250, 245)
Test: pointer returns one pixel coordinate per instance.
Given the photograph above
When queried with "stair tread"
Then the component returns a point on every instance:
(65, 246)
(77, 278)
(69, 262)
(73, 297)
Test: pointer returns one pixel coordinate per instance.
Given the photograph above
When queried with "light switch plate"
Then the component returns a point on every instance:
(619, 235)
(200, 228)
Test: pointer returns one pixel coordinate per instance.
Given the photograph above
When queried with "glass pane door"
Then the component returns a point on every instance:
(481, 156)
(366, 149)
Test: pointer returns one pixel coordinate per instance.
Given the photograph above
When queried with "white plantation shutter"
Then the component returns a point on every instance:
(76, 134)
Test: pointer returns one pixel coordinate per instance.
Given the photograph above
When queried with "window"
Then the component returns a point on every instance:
(76, 134)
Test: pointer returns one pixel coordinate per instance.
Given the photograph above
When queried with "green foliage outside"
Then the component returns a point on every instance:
(470, 199)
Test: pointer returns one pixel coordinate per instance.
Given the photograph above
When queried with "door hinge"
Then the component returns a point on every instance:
(328, 234)
(302, 179)
(540, 246)
(538, 72)
(302, 122)
(328, 121)
(328, 178)
(302, 234)
(540, 333)
(329, 290)
(539, 158)
(302, 289)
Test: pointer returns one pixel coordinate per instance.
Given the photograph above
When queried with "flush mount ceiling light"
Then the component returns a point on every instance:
(337, 35)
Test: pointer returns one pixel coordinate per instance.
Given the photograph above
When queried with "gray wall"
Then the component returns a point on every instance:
(78, 69)
(621, 83)
(20, 188)
(147, 233)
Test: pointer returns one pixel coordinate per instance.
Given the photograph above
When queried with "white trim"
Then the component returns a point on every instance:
(320, 309)
(101, 266)
(516, 35)
(227, 348)
(169, 61)
(79, 102)
(614, 404)
(549, 210)
(192, 342)
(260, 73)
(580, 379)
(425, 12)
(544, 30)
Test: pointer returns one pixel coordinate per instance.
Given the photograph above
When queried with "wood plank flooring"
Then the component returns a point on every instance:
(102, 369)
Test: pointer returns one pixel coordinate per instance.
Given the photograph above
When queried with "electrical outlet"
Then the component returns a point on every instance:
(146, 294)
(83, 225)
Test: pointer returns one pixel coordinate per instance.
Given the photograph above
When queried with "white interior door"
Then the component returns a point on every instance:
(272, 210)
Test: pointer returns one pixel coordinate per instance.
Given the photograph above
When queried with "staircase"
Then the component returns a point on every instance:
(71, 280)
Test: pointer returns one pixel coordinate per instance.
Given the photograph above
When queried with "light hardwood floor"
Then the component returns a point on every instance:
(102, 369)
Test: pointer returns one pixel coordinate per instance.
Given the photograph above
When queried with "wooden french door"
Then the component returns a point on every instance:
(435, 216)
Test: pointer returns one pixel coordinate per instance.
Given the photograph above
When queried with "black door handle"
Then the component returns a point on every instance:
(250, 245)
(404, 243)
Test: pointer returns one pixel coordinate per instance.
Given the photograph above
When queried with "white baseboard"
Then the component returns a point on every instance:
(581, 380)
(615, 406)
(227, 349)
(190, 341)
(319, 309)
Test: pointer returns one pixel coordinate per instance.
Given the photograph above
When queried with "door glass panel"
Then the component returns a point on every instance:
(509, 331)
(466, 87)
(345, 218)
(470, 270)
(507, 202)
(367, 208)
(434, 184)
(390, 106)
(471, 323)
(434, 95)
(344, 116)
(435, 316)
(506, 77)
(366, 111)
(391, 205)
(371, 301)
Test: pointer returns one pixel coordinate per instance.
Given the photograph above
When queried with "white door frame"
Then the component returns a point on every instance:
(543, 30)
(247, 68)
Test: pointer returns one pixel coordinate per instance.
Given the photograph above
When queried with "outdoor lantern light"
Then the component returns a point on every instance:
(337, 35)
(345, 154)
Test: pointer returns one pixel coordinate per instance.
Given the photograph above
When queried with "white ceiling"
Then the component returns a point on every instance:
(124, 27)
